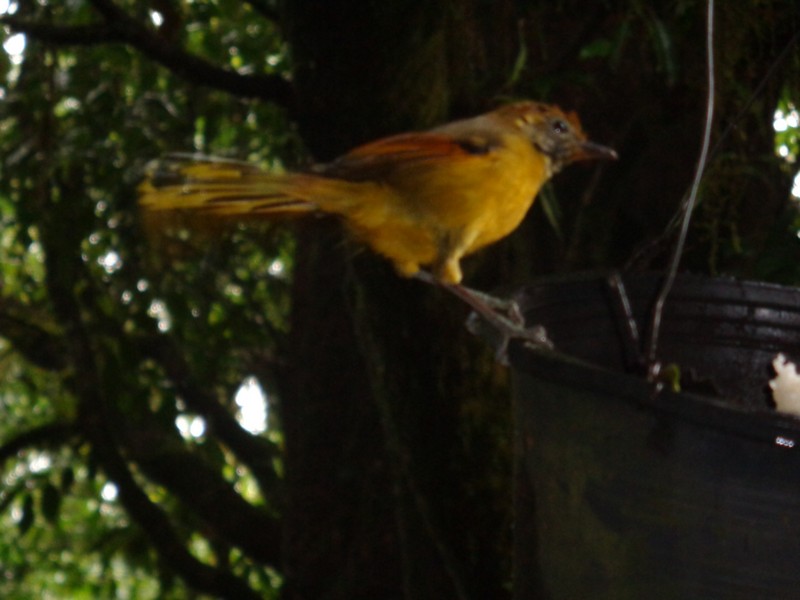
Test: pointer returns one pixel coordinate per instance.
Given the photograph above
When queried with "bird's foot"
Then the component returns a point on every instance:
(501, 321)
(498, 320)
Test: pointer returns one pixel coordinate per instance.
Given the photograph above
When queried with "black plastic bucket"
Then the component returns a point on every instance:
(623, 492)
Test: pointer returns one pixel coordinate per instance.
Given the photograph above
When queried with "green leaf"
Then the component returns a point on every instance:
(67, 479)
(50, 503)
(26, 520)
(662, 46)
(551, 209)
(599, 48)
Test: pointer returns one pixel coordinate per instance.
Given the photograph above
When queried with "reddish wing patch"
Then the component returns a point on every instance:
(387, 154)
(411, 145)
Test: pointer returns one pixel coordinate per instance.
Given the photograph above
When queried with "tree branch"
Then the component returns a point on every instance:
(119, 27)
(35, 344)
(49, 434)
(188, 476)
(157, 526)
(66, 35)
(255, 452)
(99, 420)
(265, 9)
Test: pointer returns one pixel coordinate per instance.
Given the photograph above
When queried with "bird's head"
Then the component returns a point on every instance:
(554, 133)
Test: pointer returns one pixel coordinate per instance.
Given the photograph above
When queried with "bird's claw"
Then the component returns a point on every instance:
(502, 328)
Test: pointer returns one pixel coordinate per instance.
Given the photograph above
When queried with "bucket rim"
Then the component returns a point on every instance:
(759, 424)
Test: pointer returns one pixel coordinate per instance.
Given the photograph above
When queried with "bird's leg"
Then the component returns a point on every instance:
(507, 308)
(502, 314)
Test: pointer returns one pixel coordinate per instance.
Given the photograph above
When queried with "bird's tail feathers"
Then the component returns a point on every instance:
(228, 188)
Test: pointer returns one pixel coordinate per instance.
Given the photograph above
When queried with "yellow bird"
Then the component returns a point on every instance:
(422, 200)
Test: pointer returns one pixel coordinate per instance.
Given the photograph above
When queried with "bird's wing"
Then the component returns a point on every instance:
(379, 159)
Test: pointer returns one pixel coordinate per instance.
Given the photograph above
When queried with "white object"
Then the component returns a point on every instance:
(786, 385)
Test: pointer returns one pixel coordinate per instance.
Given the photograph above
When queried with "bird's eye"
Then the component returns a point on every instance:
(560, 126)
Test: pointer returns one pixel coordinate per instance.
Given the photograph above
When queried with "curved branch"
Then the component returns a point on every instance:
(157, 526)
(97, 417)
(50, 434)
(67, 35)
(35, 344)
(187, 475)
(255, 452)
(119, 27)
(265, 9)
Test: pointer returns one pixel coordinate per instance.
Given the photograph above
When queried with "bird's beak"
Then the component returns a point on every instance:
(592, 151)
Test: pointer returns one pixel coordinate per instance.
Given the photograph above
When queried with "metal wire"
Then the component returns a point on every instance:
(658, 309)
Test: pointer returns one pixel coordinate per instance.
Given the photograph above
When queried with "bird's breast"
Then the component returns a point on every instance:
(510, 187)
